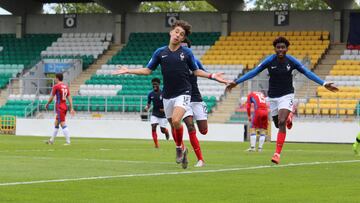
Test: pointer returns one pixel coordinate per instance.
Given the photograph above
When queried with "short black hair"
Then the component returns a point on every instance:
(157, 80)
(281, 40)
(188, 42)
(59, 76)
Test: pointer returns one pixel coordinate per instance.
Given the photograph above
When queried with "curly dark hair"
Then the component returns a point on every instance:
(281, 40)
(185, 25)
(157, 80)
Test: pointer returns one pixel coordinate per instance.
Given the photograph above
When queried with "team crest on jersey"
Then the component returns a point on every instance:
(182, 56)
(288, 67)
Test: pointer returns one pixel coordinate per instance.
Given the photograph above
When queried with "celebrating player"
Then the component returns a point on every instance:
(158, 115)
(281, 90)
(175, 61)
(62, 93)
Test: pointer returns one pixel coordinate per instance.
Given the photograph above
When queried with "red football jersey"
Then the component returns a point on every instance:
(61, 91)
(258, 99)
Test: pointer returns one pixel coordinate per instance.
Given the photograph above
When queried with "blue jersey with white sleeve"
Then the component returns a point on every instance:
(157, 101)
(281, 78)
(195, 92)
(175, 66)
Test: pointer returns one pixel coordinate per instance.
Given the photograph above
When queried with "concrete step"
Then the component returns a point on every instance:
(336, 52)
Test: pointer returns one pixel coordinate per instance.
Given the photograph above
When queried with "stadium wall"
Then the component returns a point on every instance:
(309, 131)
(121, 129)
(85, 23)
(7, 24)
(155, 22)
(320, 132)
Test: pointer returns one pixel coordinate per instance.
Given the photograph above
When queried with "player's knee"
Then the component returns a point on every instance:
(176, 123)
(163, 130)
(190, 127)
(282, 122)
(203, 131)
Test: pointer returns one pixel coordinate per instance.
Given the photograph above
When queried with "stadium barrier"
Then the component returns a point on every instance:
(7, 124)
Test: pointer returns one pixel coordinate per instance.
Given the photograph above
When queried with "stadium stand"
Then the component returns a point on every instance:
(346, 75)
(248, 48)
(19, 54)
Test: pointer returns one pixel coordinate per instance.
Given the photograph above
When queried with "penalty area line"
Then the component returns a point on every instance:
(178, 172)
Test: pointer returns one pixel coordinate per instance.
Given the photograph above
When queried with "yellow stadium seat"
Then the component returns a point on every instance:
(275, 34)
(303, 33)
(289, 33)
(296, 33)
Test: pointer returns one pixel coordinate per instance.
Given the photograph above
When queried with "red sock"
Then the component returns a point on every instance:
(154, 135)
(195, 144)
(173, 132)
(280, 141)
(179, 136)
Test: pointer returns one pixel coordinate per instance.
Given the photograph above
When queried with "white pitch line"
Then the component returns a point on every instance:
(86, 159)
(177, 173)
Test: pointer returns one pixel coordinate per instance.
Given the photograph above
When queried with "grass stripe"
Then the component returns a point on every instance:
(178, 173)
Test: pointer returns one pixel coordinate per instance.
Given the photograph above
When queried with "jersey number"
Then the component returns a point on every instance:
(261, 97)
(64, 93)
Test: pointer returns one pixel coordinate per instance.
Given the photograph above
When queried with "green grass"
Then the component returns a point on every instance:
(29, 159)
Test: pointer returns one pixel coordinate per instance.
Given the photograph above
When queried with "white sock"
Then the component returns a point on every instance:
(66, 134)
(252, 140)
(56, 130)
(261, 140)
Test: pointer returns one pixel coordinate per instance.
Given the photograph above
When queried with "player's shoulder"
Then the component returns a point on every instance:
(268, 59)
(186, 50)
(160, 49)
(291, 58)
(151, 93)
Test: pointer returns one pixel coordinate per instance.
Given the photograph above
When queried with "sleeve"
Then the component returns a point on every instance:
(248, 105)
(191, 61)
(53, 91)
(255, 71)
(200, 66)
(304, 70)
(155, 60)
(149, 98)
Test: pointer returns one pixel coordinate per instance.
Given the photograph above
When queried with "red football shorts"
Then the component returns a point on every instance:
(60, 114)
(260, 119)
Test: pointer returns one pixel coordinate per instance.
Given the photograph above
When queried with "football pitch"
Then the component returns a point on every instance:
(124, 170)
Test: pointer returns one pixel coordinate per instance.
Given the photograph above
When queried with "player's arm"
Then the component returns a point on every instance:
(126, 70)
(152, 65)
(193, 64)
(147, 107)
(248, 107)
(250, 74)
(312, 76)
(52, 95)
(72, 112)
(49, 102)
(198, 70)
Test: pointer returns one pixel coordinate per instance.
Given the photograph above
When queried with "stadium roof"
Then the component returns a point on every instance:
(21, 7)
